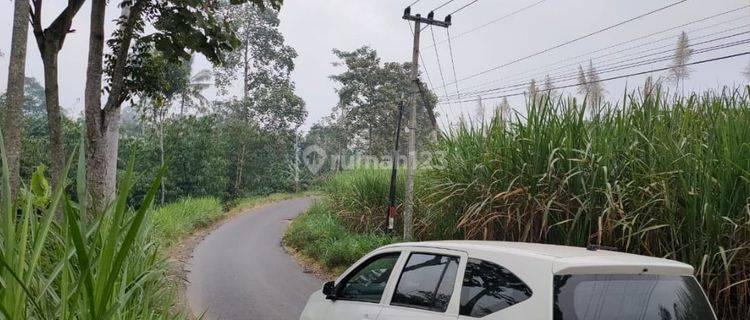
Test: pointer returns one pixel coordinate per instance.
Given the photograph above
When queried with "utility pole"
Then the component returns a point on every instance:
(296, 162)
(411, 162)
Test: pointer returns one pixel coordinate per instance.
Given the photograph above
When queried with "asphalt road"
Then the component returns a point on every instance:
(240, 270)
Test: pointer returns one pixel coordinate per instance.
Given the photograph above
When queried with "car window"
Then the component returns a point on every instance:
(368, 281)
(629, 296)
(489, 288)
(426, 282)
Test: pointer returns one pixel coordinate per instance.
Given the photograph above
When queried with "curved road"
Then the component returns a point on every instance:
(240, 270)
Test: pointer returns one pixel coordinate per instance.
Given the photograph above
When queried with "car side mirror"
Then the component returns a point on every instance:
(329, 289)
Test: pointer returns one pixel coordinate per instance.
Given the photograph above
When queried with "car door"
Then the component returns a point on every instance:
(359, 294)
(428, 286)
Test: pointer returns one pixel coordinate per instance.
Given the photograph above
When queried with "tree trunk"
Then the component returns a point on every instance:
(101, 125)
(240, 169)
(102, 139)
(50, 42)
(14, 102)
(161, 150)
(54, 115)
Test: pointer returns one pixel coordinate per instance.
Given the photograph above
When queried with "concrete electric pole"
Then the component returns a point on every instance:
(411, 161)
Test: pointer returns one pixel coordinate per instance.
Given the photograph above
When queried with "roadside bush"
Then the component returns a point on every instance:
(178, 219)
(319, 234)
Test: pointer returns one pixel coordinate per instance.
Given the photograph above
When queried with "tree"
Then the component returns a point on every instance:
(14, 102)
(161, 82)
(263, 62)
(177, 28)
(678, 70)
(33, 99)
(369, 95)
(191, 96)
(50, 41)
(747, 72)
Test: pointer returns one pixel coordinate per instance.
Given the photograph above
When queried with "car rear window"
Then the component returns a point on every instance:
(489, 288)
(629, 297)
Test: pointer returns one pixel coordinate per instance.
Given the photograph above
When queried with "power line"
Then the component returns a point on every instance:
(568, 74)
(440, 65)
(572, 41)
(615, 67)
(461, 8)
(632, 65)
(443, 5)
(491, 22)
(453, 63)
(616, 77)
(598, 58)
(623, 43)
(429, 79)
(421, 57)
(413, 3)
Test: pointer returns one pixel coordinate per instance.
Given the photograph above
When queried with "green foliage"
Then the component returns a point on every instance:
(171, 30)
(369, 95)
(33, 99)
(39, 189)
(200, 152)
(89, 266)
(196, 156)
(261, 60)
(319, 234)
(174, 221)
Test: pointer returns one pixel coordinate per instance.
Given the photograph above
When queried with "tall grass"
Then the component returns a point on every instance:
(174, 221)
(95, 265)
(320, 234)
(360, 196)
(655, 177)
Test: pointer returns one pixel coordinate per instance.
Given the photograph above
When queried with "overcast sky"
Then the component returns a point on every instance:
(314, 28)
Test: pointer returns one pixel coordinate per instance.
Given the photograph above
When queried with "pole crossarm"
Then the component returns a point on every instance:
(429, 20)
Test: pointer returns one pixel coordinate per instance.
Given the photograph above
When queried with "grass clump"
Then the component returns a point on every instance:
(319, 234)
(179, 219)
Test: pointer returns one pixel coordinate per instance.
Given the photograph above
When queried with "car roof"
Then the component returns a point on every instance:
(565, 259)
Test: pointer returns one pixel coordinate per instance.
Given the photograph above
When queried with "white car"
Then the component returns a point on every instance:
(507, 280)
